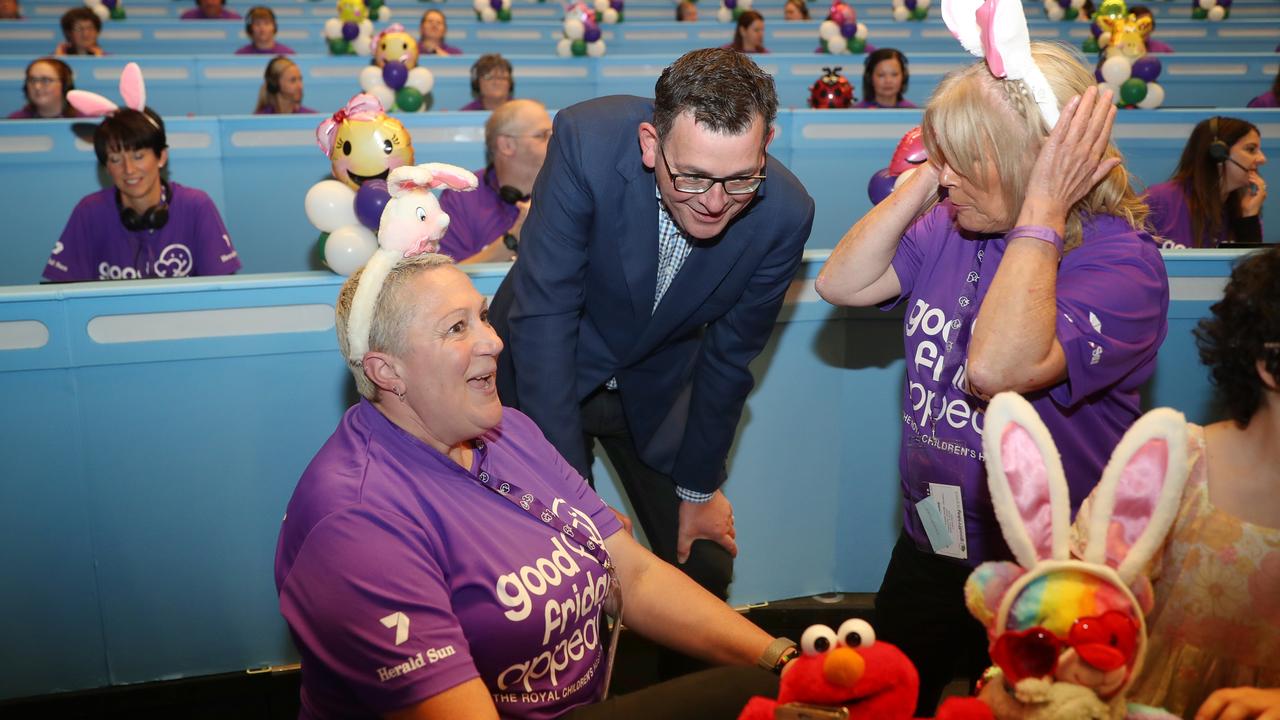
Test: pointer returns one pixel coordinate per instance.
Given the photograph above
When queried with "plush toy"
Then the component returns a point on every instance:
(1068, 635)
(412, 222)
(832, 90)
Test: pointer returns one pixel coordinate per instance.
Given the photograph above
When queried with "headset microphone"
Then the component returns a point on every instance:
(1253, 186)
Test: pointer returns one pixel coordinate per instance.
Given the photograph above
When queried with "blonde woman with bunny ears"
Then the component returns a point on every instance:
(1216, 620)
(1018, 253)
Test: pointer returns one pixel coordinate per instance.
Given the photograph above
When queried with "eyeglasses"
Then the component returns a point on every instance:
(496, 76)
(543, 135)
(41, 80)
(1107, 642)
(698, 184)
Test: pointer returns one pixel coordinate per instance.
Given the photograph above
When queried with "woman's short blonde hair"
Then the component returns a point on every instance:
(974, 117)
(392, 313)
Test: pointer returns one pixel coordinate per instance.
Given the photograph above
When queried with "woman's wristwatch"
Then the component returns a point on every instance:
(777, 654)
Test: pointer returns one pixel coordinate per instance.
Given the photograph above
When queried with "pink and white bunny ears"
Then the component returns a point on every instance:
(412, 223)
(132, 90)
(360, 107)
(997, 31)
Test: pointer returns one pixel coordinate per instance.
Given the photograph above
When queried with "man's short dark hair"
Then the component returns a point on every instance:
(75, 15)
(125, 130)
(724, 89)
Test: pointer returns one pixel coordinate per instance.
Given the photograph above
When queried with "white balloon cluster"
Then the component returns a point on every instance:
(106, 9)
(1212, 10)
(582, 34)
(912, 9)
(335, 29)
(1063, 9)
(730, 9)
(492, 10)
(1132, 80)
(841, 33)
(373, 81)
(330, 206)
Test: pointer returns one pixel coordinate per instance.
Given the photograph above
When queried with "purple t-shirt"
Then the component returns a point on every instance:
(476, 218)
(276, 49)
(1170, 218)
(95, 245)
(476, 104)
(269, 110)
(29, 113)
(871, 103)
(446, 47)
(195, 14)
(1265, 100)
(1112, 301)
(1155, 46)
(401, 576)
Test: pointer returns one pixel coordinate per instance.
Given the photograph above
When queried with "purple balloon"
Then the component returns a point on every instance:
(109, 4)
(495, 4)
(350, 31)
(910, 5)
(616, 5)
(591, 33)
(1225, 3)
(1096, 29)
(1064, 4)
(731, 4)
(1147, 68)
(394, 73)
(848, 30)
(880, 185)
(1097, 73)
(370, 199)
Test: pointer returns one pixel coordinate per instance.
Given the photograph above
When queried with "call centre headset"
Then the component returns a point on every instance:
(153, 218)
(1220, 152)
(271, 76)
(254, 14)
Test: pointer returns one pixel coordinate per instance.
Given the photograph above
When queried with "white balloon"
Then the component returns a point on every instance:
(1077, 4)
(91, 3)
(1104, 40)
(838, 46)
(349, 248)
(366, 27)
(363, 45)
(480, 5)
(899, 3)
(370, 78)
(421, 79)
(101, 11)
(1206, 4)
(384, 14)
(573, 28)
(332, 29)
(595, 49)
(724, 14)
(1154, 98)
(385, 95)
(610, 16)
(506, 4)
(564, 48)
(901, 13)
(744, 4)
(602, 5)
(862, 31)
(488, 15)
(828, 29)
(1217, 12)
(1116, 69)
(330, 204)
(924, 5)
(1056, 12)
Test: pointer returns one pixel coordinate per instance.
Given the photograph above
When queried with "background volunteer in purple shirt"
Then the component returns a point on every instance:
(748, 34)
(281, 91)
(80, 29)
(492, 82)
(1270, 98)
(260, 26)
(431, 35)
(1216, 193)
(439, 558)
(143, 227)
(485, 223)
(45, 88)
(993, 303)
(884, 80)
(209, 10)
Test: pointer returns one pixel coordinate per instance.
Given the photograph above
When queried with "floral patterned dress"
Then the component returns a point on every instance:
(1216, 620)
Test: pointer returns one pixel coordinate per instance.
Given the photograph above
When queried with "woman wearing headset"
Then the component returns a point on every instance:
(491, 83)
(281, 91)
(143, 227)
(261, 28)
(46, 86)
(1216, 193)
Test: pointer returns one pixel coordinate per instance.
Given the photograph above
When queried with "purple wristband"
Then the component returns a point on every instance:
(1038, 232)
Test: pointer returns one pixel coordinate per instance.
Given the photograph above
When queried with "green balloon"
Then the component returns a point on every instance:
(1133, 90)
(1071, 13)
(504, 15)
(324, 238)
(339, 46)
(408, 99)
(919, 13)
(738, 11)
(1226, 13)
(1090, 45)
(856, 44)
(1199, 13)
(619, 16)
(599, 16)
(117, 13)
(579, 47)
(373, 6)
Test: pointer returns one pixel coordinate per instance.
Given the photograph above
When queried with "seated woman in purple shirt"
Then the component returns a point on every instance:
(261, 28)
(209, 10)
(281, 91)
(1020, 257)
(431, 35)
(46, 86)
(80, 28)
(492, 83)
(1216, 193)
(884, 80)
(1268, 99)
(748, 34)
(143, 227)
(439, 558)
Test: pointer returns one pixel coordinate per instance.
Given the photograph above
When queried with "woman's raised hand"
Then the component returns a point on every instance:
(1071, 160)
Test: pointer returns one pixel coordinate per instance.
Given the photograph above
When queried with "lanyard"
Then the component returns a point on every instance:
(527, 501)
(956, 347)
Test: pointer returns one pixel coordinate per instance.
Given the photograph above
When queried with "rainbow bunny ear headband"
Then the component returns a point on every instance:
(1129, 514)
(997, 31)
(132, 90)
(412, 223)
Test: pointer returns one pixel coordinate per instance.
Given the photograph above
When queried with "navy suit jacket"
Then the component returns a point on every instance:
(577, 306)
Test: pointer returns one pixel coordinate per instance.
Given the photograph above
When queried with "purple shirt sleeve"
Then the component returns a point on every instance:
(922, 234)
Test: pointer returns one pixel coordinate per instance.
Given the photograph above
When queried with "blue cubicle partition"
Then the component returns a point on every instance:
(539, 37)
(258, 169)
(153, 432)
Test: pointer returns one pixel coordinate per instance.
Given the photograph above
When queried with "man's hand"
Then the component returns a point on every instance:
(1242, 703)
(712, 520)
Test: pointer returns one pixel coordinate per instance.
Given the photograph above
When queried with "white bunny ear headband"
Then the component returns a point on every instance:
(1130, 510)
(406, 229)
(132, 90)
(997, 31)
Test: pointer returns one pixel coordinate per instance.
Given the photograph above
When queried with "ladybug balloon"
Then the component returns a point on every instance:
(832, 90)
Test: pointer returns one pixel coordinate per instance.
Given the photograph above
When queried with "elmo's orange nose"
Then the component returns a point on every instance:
(843, 667)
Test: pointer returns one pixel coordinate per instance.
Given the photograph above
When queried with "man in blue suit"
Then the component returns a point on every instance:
(660, 244)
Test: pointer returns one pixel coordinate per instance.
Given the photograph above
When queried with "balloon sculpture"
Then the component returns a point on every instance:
(1214, 10)
(395, 78)
(491, 10)
(582, 34)
(909, 155)
(110, 9)
(913, 9)
(832, 90)
(1126, 67)
(841, 33)
(1063, 9)
(731, 9)
(364, 145)
(351, 32)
